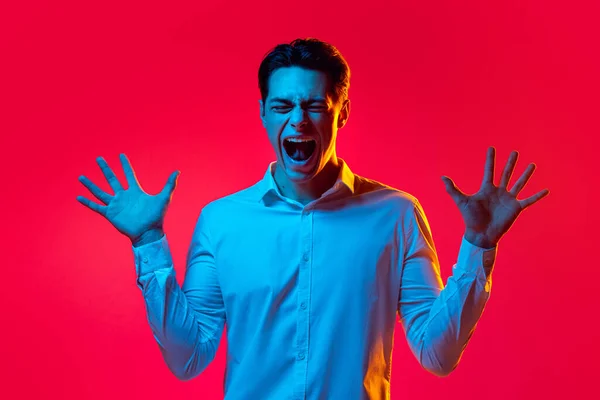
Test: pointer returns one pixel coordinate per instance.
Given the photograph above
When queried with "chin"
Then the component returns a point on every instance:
(300, 173)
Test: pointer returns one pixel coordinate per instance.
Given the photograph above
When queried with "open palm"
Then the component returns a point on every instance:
(489, 213)
(131, 211)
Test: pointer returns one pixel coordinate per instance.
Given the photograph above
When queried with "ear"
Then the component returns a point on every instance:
(262, 112)
(344, 114)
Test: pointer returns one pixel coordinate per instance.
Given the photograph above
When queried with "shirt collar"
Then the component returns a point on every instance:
(267, 183)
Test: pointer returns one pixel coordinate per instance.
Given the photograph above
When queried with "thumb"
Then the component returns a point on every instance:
(452, 190)
(171, 184)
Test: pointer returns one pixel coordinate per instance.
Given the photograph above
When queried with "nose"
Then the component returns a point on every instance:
(298, 119)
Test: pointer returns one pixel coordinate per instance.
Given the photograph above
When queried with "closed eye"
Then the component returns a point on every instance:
(313, 108)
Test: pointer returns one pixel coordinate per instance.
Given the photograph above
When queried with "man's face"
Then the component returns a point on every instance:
(301, 120)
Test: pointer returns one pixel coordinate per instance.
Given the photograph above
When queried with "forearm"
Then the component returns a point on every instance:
(452, 321)
(441, 333)
(186, 347)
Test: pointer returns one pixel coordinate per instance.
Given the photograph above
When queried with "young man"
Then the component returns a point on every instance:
(310, 267)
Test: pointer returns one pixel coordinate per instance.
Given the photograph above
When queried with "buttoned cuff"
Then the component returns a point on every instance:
(475, 259)
(152, 256)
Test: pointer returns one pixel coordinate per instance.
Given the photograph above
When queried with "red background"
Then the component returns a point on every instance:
(175, 87)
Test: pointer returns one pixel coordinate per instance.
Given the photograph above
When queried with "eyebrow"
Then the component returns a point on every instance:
(309, 101)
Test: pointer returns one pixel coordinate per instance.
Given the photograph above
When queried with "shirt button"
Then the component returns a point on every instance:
(145, 259)
(305, 258)
(303, 305)
(301, 356)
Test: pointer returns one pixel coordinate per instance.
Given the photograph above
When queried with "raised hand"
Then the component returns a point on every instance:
(131, 211)
(489, 213)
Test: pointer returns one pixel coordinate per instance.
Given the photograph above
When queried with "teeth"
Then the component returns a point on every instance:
(299, 140)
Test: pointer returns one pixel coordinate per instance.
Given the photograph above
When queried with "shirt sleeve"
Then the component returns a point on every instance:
(187, 322)
(438, 321)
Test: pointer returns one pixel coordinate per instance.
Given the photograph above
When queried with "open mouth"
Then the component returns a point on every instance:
(299, 149)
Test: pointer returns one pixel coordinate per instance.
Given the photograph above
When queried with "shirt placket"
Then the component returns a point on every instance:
(302, 325)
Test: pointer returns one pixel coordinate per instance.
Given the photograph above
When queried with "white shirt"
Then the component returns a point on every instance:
(311, 294)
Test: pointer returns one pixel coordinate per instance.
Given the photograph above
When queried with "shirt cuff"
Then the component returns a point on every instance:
(152, 256)
(475, 259)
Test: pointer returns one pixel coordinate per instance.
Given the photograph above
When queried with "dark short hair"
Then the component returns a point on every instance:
(308, 53)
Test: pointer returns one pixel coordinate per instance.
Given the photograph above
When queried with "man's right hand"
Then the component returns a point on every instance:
(135, 213)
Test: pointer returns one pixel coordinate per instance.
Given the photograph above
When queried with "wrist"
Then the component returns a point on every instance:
(479, 240)
(149, 236)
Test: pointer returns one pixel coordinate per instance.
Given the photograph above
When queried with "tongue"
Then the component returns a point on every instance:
(300, 151)
(300, 154)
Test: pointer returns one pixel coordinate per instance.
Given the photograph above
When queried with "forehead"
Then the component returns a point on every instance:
(296, 83)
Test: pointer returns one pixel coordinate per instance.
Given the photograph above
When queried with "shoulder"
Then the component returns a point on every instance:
(230, 206)
(385, 195)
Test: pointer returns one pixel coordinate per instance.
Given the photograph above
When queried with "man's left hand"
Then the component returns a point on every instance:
(489, 213)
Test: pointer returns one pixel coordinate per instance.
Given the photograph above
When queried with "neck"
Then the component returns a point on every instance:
(305, 192)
